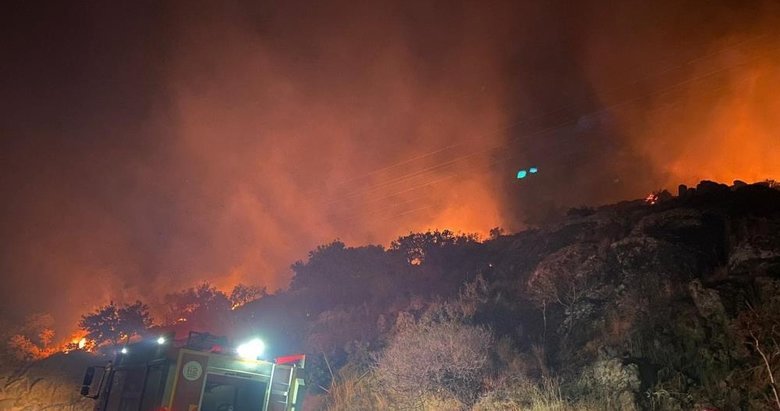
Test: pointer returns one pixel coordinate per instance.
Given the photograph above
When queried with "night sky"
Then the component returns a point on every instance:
(146, 146)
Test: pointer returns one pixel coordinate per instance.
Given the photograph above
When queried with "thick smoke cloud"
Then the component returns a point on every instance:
(620, 100)
(708, 87)
(150, 147)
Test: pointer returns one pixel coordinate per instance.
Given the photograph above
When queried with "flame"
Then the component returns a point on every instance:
(721, 128)
(651, 198)
(77, 341)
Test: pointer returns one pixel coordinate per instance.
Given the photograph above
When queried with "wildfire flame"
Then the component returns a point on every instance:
(77, 341)
(651, 198)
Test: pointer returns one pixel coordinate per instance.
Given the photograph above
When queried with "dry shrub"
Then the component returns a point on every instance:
(438, 361)
(435, 361)
(609, 383)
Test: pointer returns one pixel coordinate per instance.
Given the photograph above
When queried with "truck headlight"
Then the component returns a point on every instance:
(251, 349)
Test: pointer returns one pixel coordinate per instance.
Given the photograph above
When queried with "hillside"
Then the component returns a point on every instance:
(665, 306)
(49, 384)
(628, 306)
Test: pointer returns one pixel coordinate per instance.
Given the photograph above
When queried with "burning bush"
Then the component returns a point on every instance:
(33, 340)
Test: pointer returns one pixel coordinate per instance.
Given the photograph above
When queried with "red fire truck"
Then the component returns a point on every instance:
(201, 374)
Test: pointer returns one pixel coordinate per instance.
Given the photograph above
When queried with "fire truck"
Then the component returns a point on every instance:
(201, 374)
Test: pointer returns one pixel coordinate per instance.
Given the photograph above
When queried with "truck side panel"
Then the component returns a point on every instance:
(189, 380)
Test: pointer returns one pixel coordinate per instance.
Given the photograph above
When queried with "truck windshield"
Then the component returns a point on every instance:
(231, 393)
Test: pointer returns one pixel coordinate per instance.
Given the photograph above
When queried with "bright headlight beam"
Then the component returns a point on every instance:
(161, 340)
(251, 349)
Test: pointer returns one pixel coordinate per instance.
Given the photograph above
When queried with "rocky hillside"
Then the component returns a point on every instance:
(669, 303)
(660, 306)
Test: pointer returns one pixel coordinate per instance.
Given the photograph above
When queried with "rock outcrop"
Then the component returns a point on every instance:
(658, 314)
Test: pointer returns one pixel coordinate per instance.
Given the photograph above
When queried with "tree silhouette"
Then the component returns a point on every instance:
(243, 294)
(417, 247)
(203, 308)
(112, 323)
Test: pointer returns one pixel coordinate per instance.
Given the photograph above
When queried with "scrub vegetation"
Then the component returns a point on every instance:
(673, 305)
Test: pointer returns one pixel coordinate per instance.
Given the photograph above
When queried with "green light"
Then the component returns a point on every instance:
(533, 170)
(521, 174)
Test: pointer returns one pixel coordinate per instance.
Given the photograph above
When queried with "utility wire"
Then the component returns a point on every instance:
(556, 127)
(519, 122)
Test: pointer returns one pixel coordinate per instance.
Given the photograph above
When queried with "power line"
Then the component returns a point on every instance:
(558, 126)
(519, 122)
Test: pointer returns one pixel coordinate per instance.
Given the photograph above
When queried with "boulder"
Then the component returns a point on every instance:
(707, 302)
(755, 247)
(711, 187)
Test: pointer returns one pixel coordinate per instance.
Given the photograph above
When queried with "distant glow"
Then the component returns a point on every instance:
(123, 350)
(161, 340)
(522, 174)
(651, 198)
(251, 349)
(533, 170)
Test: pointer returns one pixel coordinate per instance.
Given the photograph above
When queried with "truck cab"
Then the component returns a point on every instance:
(198, 375)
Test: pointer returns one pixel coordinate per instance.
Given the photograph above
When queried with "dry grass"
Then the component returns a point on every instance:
(356, 393)
(364, 394)
(523, 394)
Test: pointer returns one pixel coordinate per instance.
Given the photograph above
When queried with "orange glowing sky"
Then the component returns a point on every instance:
(728, 137)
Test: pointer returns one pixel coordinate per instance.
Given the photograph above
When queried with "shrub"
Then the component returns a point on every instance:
(435, 361)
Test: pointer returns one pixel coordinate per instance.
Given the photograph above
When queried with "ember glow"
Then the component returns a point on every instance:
(153, 146)
(78, 343)
(651, 199)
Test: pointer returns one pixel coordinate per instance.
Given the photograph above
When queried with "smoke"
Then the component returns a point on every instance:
(639, 96)
(149, 148)
(708, 87)
(300, 124)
